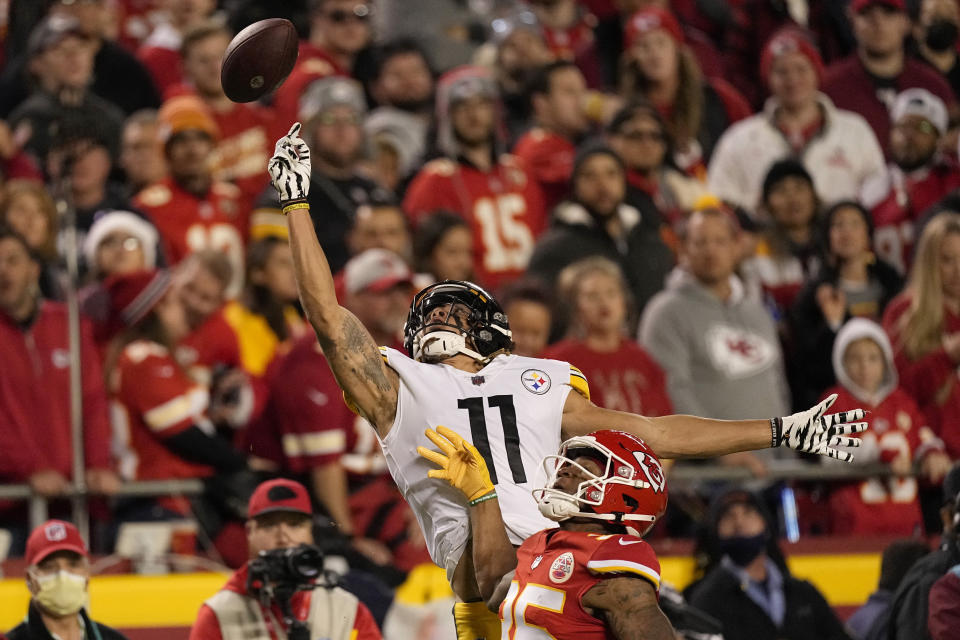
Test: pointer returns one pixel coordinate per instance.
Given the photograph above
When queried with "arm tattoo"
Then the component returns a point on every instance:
(630, 608)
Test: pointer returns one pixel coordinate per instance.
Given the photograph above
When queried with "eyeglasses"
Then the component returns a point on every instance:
(125, 243)
(360, 13)
(640, 135)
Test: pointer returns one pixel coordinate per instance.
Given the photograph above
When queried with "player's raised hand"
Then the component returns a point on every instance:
(290, 166)
(460, 464)
(811, 431)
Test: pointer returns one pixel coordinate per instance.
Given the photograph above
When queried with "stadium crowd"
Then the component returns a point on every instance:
(726, 208)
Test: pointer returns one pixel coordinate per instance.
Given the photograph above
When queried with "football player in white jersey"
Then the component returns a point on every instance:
(458, 372)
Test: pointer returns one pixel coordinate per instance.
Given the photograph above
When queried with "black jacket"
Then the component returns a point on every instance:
(575, 235)
(34, 629)
(808, 615)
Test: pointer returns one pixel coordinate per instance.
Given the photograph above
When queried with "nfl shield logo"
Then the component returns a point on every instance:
(477, 380)
(55, 532)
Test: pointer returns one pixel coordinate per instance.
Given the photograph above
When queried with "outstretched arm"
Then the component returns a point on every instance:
(630, 608)
(464, 468)
(679, 436)
(353, 355)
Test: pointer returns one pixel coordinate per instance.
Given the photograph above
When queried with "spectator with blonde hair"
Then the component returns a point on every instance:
(924, 327)
(625, 377)
(28, 209)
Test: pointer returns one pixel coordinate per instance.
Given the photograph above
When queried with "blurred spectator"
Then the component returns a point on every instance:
(898, 437)
(141, 151)
(658, 66)
(246, 130)
(897, 559)
(190, 209)
(381, 225)
(397, 143)
(837, 147)
(906, 617)
(935, 32)
(58, 577)
(752, 593)
(494, 193)
(918, 175)
(402, 78)
(443, 247)
(718, 347)
(868, 81)
(378, 285)
(851, 282)
(160, 52)
(449, 30)
(119, 242)
(569, 31)
(597, 222)
(118, 77)
(280, 516)
(557, 93)
(27, 209)
(339, 30)
(520, 51)
(35, 384)
(61, 63)
(787, 254)
(654, 186)
(944, 616)
(159, 413)
(15, 163)
(625, 377)
(924, 327)
(528, 305)
(332, 114)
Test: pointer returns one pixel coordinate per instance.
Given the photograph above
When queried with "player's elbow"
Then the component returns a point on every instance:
(494, 589)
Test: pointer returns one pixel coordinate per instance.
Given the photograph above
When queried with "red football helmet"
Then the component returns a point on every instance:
(631, 489)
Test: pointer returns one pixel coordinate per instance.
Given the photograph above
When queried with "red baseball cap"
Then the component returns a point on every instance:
(859, 5)
(53, 536)
(279, 495)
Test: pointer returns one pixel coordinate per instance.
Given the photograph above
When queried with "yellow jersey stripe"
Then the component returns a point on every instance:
(579, 382)
(624, 566)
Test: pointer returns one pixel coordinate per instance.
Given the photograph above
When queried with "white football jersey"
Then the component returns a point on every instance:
(510, 410)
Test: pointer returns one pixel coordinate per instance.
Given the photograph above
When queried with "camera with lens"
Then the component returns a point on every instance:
(285, 570)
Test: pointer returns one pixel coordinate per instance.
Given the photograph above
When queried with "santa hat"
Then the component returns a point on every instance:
(128, 222)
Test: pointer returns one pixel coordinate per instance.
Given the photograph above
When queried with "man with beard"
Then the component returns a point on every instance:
(936, 34)
(493, 192)
(557, 94)
(596, 221)
(332, 112)
(915, 179)
(868, 81)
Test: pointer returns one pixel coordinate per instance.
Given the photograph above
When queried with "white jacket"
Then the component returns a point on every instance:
(839, 158)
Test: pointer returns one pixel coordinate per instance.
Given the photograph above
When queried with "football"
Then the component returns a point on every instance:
(259, 59)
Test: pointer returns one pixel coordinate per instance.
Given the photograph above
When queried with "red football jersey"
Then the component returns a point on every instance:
(627, 379)
(153, 399)
(187, 223)
(549, 160)
(555, 569)
(504, 208)
(312, 64)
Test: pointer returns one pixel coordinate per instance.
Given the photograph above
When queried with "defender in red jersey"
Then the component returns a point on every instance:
(593, 578)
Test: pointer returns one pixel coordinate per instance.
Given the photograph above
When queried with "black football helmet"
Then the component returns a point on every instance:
(472, 313)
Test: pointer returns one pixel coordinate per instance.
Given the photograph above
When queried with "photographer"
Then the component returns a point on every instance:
(277, 595)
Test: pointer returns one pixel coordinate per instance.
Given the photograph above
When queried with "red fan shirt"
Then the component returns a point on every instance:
(504, 208)
(153, 399)
(627, 379)
(556, 568)
(313, 63)
(548, 158)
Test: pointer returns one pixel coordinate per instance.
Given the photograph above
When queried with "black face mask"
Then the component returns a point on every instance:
(941, 35)
(743, 549)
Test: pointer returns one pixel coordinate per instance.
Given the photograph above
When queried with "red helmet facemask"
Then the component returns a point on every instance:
(630, 489)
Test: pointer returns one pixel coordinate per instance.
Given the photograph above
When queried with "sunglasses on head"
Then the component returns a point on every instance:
(360, 13)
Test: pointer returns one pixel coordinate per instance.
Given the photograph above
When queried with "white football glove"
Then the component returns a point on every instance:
(290, 166)
(812, 432)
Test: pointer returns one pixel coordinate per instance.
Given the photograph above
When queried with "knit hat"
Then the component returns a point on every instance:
(131, 223)
(920, 102)
(403, 132)
(454, 86)
(590, 149)
(51, 32)
(789, 40)
(520, 17)
(782, 169)
(183, 113)
(132, 296)
(651, 19)
(326, 93)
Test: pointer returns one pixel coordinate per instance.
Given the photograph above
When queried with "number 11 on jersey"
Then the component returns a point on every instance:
(511, 435)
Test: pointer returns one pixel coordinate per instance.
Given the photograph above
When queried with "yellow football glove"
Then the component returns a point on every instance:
(460, 464)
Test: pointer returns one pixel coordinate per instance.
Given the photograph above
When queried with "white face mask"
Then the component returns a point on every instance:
(61, 593)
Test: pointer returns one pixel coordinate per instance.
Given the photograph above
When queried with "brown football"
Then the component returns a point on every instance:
(259, 59)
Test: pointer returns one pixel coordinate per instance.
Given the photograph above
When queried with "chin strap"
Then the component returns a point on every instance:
(443, 344)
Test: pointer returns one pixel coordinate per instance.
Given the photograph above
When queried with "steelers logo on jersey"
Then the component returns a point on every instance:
(562, 568)
(535, 381)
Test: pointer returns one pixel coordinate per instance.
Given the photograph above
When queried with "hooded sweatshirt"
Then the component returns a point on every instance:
(722, 358)
(896, 428)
